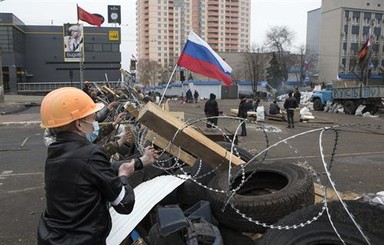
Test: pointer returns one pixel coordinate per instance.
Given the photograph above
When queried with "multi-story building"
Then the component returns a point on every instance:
(345, 27)
(313, 31)
(35, 55)
(163, 27)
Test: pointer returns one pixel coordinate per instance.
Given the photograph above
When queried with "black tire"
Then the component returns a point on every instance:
(272, 192)
(190, 192)
(317, 105)
(151, 171)
(349, 107)
(369, 216)
(237, 150)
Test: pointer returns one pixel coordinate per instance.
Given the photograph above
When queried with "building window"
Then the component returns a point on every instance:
(115, 47)
(97, 47)
(107, 47)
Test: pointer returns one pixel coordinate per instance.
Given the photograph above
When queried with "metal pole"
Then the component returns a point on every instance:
(81, 69)
(166, 87)
(1, 78)
(1, 74)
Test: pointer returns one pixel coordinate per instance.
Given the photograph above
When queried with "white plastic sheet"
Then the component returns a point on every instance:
(260, 117)
(147, 195)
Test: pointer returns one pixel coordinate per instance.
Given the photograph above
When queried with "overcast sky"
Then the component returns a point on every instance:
(265, 14)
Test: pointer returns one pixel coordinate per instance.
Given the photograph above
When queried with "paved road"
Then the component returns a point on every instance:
(358, 165)
(357, 144)
(21, 184)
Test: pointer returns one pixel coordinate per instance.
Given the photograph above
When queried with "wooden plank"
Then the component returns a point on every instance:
(131, 109)
(331, 194)
(108, 90)
(161, 142)
(188, 138)
(170, 148)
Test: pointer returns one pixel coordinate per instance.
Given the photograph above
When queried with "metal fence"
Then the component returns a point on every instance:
(45, 87)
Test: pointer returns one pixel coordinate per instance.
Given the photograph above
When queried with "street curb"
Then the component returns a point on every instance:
(20, 124)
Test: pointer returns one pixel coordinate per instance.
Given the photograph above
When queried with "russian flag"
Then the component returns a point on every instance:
(199, 57)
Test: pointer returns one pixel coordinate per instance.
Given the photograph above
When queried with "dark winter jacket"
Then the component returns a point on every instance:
(297, 96)
(211, 107)
(80, 183)
(290, 103)
(244, 107)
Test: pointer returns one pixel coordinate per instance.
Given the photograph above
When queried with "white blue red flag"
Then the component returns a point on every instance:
(199, 57)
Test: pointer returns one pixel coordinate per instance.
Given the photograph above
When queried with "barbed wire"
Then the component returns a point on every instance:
(140, 134)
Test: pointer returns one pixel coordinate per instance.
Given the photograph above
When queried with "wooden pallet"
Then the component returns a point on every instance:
(187, 138)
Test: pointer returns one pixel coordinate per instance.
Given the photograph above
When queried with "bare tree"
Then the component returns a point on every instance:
(254, 61)
(279, 40)
(307, 62)
(149, 71)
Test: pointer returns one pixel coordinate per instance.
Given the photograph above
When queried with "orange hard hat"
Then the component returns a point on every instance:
(65, 105)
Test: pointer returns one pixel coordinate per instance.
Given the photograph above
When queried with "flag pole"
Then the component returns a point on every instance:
(81, 68)
(81, 52)
(166, 87)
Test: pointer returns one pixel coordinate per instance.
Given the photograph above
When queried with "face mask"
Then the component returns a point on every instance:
(92, 136)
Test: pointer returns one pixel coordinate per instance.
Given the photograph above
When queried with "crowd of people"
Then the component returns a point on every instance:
(288, 110)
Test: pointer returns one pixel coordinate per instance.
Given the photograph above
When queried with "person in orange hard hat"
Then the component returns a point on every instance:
(80, 182)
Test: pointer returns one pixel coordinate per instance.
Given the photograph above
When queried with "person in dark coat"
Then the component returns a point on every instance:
(189, 96)
(80, 183)
(290, 104)
(256, 104)
(244, 107)
(297, 95)
(211, 109)
(274, 109)
(196, 96)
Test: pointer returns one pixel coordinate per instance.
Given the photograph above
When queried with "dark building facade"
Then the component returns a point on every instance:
(35, 54)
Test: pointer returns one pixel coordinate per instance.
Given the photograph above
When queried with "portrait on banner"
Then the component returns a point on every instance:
(73, 42)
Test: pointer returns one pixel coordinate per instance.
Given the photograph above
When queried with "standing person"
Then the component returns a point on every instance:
(189, 96)
(243, 113)
(256, 104)
(211, 109)
(196, 96)
(297, 95)
(80, 183)
(290, 104)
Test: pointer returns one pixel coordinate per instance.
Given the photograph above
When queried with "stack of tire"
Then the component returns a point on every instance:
(280, 194)
(270, 192)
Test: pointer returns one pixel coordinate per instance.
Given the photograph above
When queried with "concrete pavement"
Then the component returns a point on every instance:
(20, 110)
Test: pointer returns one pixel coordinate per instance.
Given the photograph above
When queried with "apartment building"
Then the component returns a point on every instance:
(345, 27)
(163, 27)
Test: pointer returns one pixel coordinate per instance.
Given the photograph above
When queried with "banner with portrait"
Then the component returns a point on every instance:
(73, 42)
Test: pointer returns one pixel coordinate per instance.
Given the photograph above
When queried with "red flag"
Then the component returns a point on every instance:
(364, 51)
(91, 19)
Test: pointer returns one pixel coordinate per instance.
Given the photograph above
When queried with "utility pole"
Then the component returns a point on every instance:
(1, 74)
